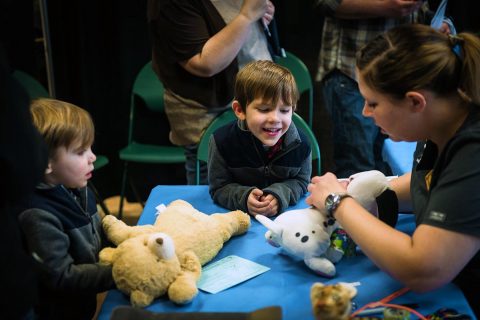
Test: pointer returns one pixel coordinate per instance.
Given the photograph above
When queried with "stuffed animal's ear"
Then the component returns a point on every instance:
(387, 203)
(316, 286)
(269, 224)
(352, 291)
(106, 255)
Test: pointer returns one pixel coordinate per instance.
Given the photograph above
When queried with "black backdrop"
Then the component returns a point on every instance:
(97, 49)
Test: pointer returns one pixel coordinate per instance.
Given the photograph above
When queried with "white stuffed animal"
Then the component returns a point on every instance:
(306, 233)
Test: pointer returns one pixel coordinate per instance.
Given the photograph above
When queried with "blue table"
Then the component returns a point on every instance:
(288, 282)
(399, 155)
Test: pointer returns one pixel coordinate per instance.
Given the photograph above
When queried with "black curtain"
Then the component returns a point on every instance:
(97, 49)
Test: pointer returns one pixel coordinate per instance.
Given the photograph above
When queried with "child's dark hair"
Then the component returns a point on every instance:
(267, 80)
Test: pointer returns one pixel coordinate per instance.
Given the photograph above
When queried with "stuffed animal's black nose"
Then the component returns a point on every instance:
(304, 239)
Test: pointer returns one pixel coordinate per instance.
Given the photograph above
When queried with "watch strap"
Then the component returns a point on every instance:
(336, 200)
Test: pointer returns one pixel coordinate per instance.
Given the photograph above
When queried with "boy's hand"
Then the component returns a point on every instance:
(272, 205)
(257, 203)
(253, 201)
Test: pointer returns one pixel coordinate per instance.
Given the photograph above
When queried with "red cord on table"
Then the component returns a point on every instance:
(385, 303)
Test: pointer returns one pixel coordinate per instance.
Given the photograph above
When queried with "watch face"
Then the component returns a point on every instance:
(330, 201)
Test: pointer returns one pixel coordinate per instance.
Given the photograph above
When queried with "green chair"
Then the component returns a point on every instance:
(302, 78)
(36, 90)
(306, 129)
(147, 91)
(202, 151)
(228, 116)
(101, 162)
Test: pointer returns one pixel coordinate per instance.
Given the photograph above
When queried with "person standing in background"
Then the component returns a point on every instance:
(348, 26)
(198, 47)
(463, 13)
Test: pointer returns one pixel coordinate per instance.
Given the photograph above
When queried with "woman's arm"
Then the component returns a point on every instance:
(401, 186)
(424, 261)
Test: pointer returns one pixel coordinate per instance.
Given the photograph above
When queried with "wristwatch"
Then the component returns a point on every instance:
(332, 201)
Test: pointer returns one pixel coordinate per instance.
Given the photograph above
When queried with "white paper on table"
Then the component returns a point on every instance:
(227, 272)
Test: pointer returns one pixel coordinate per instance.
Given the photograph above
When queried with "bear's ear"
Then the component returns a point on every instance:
(387, 203)
(350, 289)
(106, 255)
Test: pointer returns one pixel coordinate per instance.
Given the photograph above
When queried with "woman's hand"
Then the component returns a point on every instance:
(321, 187)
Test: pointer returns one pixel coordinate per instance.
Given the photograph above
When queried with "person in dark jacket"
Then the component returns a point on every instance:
(262, 163)
(60, 221)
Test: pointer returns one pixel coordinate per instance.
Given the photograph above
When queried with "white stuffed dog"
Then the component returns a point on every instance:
(306, 233)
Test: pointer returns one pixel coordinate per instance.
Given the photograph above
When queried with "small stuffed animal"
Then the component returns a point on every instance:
(166, 257)
(332, 302)
(306, 233)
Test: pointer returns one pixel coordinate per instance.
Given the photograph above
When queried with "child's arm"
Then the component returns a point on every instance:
(51, 246)
(223, 190)
(289, 191)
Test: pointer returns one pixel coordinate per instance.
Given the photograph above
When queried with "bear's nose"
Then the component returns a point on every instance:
(304, 239)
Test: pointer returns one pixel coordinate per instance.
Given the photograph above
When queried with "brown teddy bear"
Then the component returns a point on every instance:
(332, 302)
(166, 257)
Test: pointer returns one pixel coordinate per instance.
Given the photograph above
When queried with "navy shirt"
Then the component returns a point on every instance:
(444, 189)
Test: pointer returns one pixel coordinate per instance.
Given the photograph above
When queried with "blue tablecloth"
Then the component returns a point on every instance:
(287, 284)
(399, 155)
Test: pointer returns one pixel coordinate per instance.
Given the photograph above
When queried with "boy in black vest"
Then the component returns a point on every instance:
(260, 164)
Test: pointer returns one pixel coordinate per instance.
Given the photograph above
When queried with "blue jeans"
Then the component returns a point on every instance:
(191, 165)
(357, 142)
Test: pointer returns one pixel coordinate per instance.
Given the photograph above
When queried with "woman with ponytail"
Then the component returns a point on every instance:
(422, 85)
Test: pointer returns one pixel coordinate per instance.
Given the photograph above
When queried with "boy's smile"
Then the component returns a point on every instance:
(267, 123)
(273, 131)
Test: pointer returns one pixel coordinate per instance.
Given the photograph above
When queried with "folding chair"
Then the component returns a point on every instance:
(302, 78)
(147, 91)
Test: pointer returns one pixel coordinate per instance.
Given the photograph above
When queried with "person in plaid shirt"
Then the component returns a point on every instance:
(348, 26)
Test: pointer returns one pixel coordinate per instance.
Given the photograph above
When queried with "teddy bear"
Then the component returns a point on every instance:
(166, 257)
(308, 233)
(333, 301)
